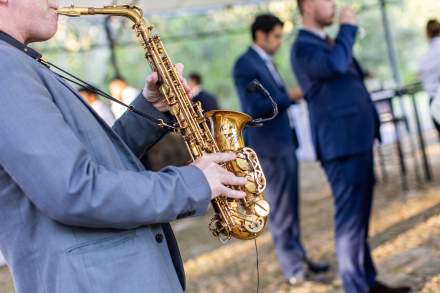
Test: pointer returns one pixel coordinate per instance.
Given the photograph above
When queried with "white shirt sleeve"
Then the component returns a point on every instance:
(2, 260)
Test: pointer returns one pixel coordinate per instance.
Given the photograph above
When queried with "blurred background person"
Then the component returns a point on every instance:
(209, 101)
(120, 90)
(275, 143)
(344, 124)
(98, 105)
(299, 121)
(2, 260)
(429, 63)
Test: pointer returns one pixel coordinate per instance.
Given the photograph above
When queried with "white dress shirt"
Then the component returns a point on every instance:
(320, 33)
(104, 112)
(2, 260)
(269, 64)
(429, 68)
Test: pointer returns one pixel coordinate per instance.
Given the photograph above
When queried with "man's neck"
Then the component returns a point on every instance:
(314, 29)
(13, 33)
(312, 25)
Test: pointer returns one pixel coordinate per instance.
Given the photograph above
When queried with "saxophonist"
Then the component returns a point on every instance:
(79, 213)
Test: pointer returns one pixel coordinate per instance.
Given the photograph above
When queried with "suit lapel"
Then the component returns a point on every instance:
(89, 108)
(103, 124)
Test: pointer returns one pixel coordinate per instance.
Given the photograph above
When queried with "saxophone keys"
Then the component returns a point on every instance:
(250, 185)
(262, 208)
(254, 224)
(243, 164)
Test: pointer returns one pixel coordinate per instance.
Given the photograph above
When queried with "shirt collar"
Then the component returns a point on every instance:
(20, 46)
(317, 32)
(266, 57)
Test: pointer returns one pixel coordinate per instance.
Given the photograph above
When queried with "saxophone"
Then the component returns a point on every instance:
(239, 218)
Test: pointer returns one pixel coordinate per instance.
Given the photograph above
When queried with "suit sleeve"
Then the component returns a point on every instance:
(318, 63)
(45, 158)
(137, 132)
(257, 104)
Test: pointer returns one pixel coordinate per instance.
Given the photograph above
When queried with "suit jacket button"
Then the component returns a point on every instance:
(159, 238)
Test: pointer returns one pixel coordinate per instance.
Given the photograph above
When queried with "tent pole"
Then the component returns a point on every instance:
(392, 55)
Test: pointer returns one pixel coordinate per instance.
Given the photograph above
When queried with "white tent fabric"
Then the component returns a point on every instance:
(155, 6)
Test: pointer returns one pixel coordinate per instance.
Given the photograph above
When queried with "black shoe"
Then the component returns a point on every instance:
(317, 267)
(382, 288)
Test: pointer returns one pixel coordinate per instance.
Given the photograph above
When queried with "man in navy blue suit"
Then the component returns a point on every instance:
(275, 143)
(344, 125)
(209, 101)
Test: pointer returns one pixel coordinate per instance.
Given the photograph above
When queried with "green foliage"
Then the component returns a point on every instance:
(210, 43)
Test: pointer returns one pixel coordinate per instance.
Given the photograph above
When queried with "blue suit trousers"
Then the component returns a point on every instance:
(282, 194)
(352, 182)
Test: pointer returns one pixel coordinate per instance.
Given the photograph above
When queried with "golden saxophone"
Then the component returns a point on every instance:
(244, 218)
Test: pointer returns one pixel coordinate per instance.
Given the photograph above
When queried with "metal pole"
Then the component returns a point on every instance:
(426, 165)
(392, 55)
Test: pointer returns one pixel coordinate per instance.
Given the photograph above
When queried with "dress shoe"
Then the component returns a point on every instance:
(317, 267)
(382, 288)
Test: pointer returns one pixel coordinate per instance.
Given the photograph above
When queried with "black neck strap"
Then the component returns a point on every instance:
(20, 46)
(75, 80)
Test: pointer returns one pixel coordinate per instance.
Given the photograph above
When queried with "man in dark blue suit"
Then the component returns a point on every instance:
(208, 101)
(275, 144)
(344, 125)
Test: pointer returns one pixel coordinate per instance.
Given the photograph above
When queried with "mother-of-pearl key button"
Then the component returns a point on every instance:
(262, 208)
(250, 185)
(243, 164)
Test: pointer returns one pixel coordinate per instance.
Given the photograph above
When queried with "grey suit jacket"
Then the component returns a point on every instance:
(78, 211)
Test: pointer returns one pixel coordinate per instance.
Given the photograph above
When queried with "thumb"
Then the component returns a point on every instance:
(179, 68)
(152, 80)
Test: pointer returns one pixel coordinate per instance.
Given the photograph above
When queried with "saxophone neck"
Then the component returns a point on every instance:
(134, 13)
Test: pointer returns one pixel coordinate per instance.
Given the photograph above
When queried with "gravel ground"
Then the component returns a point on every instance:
(405, 238)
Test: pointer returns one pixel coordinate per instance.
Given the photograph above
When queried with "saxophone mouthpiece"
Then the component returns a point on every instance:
(73, 11)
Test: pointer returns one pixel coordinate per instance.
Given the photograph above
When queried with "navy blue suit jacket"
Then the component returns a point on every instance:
(209, 102)
(275, 137)
(343, 118)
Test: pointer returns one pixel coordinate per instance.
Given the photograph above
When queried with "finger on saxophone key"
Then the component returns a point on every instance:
(218, 177)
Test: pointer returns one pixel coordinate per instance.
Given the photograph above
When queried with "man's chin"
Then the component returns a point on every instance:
(328, 23)
(42, 37)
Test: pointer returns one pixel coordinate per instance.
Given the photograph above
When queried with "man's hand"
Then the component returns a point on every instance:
(218, 177)
(347, 16)
(296, 94)
(151, 90)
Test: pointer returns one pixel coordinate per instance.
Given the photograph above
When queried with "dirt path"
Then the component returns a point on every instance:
(405, 238)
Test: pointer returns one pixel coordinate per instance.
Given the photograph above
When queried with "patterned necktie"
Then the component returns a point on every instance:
(276, 73)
